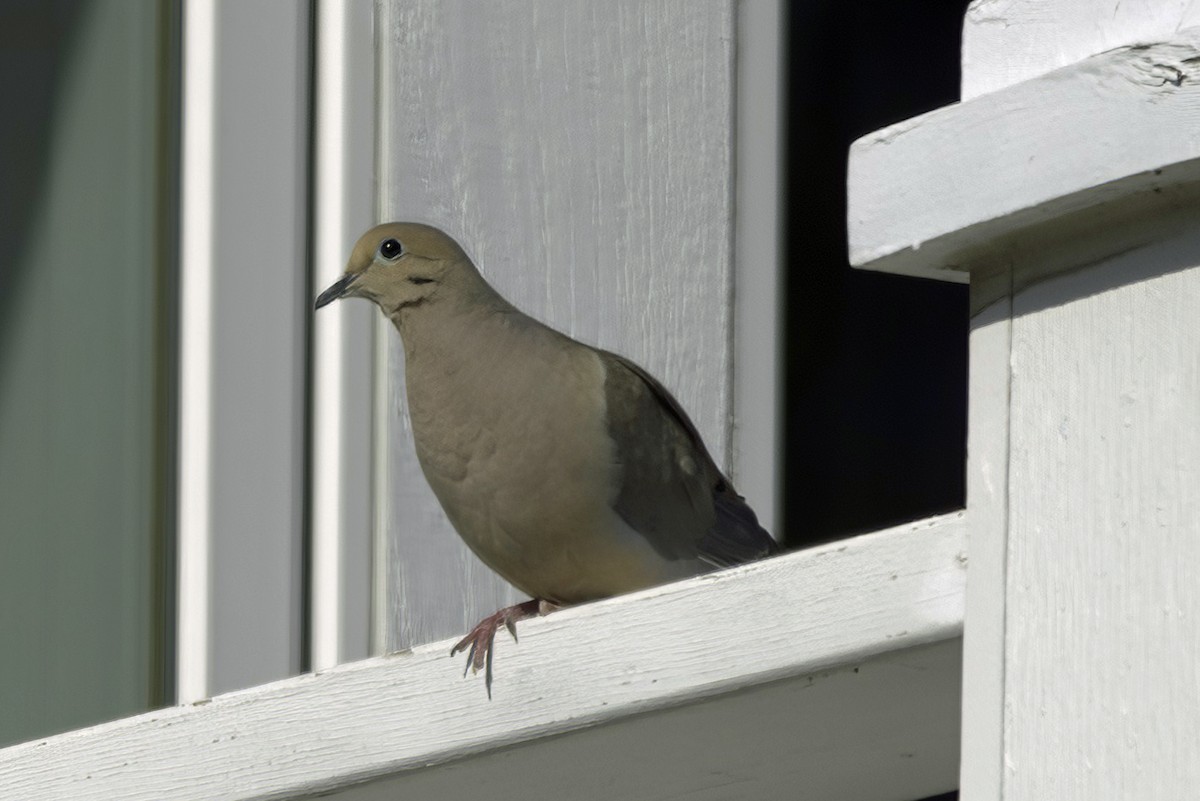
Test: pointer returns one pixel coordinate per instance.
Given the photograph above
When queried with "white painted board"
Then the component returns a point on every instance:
(582, 154)
(1009, 41)
(932, 195)
(1080, 677)
(887, 732)
(1102, 654)
(987, 538)
(857, 640)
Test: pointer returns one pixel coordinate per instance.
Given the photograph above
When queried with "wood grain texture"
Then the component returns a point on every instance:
(783, 622)
(1009, 41)
(1102, 659)
(581, 152)
(887, 732)
(935, 194)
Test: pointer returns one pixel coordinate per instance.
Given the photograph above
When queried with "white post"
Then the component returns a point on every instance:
(1065, 186)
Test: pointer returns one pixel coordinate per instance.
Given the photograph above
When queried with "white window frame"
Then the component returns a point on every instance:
(243, 283)
(339, 503)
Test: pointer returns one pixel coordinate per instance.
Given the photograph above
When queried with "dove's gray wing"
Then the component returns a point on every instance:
(671, 491)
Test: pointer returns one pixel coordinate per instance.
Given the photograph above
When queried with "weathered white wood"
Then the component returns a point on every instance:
(582, 154)
(935, 194)
(987, 538)
(1102, 668)
(1009, 41)
(886, 733)
(807, 630)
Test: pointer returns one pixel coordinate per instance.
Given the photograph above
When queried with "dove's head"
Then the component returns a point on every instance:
(405, 265)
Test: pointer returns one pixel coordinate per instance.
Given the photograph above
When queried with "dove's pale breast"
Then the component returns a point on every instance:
(520, 456)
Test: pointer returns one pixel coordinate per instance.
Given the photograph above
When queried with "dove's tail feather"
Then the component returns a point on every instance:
(736, 537)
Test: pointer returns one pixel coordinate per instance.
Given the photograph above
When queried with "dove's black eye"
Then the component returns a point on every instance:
(390, 249)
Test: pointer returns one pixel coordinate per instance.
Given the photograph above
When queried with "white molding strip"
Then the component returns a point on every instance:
(932, 195)
(757, 404)
(805, 623)
(195, 352)
(328, 337)
(342, 350)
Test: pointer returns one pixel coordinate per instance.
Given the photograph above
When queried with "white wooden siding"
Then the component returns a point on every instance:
(582, 153)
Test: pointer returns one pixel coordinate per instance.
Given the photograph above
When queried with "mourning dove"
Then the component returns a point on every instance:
(567, 469)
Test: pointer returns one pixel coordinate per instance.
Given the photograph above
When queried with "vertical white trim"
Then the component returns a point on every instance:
(381, 477)
(756, 402)
(982, 767)
(195, 352)
(342, 346)
(380, 481)
(329, 332)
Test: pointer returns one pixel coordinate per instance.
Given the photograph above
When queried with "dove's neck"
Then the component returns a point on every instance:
(469, 362)
(465, 317)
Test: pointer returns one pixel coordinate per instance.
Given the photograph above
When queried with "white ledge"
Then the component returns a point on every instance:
(929, 196)
(846, 655)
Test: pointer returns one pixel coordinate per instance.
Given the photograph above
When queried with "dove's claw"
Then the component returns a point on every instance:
(479, 643)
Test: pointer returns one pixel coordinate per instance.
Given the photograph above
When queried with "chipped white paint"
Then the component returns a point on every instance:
(860, 635)
(1009, 41)
(582, 153)
(932, 195)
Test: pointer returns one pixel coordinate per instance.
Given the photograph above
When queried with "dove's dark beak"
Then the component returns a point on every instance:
(336, 291)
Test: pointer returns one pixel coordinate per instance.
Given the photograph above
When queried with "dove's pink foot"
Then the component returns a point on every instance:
(483, 635)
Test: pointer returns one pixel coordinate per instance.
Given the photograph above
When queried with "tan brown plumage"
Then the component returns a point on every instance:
(568, 470)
